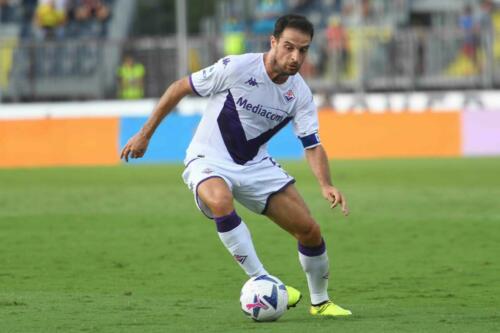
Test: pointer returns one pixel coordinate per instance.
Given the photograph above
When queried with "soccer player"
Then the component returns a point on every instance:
(251, 97)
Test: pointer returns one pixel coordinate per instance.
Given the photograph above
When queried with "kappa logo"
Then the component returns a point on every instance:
(252, 82)
(207, 171)
(326, 276)
(225, 61)
(289, 96)
(240, 259)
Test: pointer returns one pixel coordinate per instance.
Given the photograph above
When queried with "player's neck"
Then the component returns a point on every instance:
(275, 75)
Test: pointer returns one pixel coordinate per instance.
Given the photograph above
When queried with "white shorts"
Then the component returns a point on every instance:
(251, 185)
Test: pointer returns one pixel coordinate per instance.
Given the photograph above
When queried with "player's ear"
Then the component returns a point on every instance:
(273, 41)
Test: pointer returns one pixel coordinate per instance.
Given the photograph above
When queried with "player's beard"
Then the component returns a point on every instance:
(286, 69)
(291, 69)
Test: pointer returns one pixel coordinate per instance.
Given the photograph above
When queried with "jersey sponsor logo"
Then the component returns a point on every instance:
(252, 82)
(258, 109)
(289, 96)
(240, 148)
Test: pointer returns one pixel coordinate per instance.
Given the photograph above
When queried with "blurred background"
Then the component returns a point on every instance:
(114, 58)
(366, 45)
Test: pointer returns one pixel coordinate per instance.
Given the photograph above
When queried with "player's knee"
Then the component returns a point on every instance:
(310, 235)
(220, 203)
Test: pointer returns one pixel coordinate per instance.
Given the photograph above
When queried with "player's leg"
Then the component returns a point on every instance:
(216, 195)
(287, 209)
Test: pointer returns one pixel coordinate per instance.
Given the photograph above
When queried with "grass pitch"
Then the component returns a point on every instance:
(124, 249)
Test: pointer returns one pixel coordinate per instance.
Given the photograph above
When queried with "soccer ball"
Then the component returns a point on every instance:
(264, 298)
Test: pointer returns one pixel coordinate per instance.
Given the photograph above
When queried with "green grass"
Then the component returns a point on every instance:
(124, 249)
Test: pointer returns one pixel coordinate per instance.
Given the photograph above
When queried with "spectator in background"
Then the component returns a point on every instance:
(89, 11)
(131, 79)
(484, 24)
(484, 20)
(266, 13)
(28, 8)
(299, 6)
(367, 12)
(337, 6)
(468, 27)
(338, 46)
(234, 36)
(485, 33)
(7, 11)
(50, 18)
(420, 64)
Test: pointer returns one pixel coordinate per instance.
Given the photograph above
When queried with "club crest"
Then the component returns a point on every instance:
(289, 96)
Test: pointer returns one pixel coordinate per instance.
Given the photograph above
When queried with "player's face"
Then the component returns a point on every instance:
(290, 50)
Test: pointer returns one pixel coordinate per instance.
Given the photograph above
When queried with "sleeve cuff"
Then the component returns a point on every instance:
(192, 86)
(310, 141)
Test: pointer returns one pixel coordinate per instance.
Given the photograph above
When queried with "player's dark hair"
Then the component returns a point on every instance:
(294, 21)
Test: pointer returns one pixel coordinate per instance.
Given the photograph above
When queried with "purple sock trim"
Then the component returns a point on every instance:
(228, 222)
(313, 251)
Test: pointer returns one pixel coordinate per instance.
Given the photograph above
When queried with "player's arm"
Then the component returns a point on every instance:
(318, 161)
(137, 145)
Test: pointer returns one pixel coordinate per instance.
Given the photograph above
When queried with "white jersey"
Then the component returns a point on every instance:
(246, 108)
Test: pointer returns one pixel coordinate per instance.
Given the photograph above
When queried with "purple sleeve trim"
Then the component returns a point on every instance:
(192, 86)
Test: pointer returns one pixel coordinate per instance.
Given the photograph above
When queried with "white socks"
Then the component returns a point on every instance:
(314, 261)
(235, 235)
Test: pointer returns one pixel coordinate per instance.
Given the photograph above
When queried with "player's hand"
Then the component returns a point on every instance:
(335, 197)
(136, 147)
